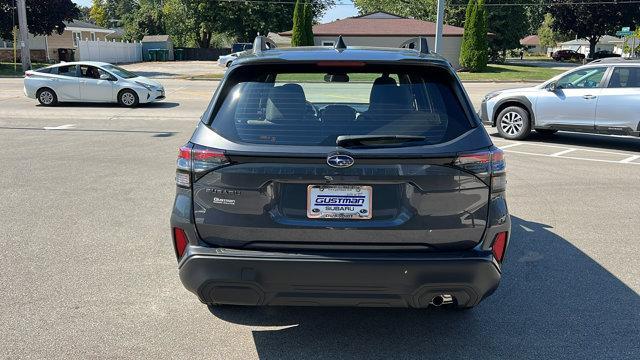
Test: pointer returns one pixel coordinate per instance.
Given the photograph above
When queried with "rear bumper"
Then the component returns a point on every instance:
(227, 276)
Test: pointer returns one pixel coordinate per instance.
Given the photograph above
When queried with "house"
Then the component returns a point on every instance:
(606, 42)
(531, 44)
(49, 48)
(383, 29)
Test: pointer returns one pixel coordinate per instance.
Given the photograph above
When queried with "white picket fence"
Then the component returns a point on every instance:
(110, 51)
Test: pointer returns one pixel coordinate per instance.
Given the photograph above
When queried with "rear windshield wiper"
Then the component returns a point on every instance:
(376, 140)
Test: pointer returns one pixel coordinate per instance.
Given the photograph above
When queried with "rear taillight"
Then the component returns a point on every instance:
(196, 159)
(488, 164)
(180, 241)
(28, 73)
(499, 245)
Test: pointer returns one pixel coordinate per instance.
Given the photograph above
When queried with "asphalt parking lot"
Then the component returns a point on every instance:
(88, 270)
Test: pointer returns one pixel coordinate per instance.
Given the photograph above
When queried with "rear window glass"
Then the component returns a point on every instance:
(314, 105)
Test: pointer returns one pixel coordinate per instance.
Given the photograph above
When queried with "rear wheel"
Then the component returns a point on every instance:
(128, 98)
(514, 123)
(546, 132)
(47, 97)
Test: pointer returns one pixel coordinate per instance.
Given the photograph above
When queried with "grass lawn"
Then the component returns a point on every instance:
(495, 72)
(11, 69)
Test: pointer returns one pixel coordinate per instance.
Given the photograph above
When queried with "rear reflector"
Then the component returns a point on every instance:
(180, 241)
(499, 245)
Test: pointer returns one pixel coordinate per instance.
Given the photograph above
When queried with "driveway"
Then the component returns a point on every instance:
(175, 69)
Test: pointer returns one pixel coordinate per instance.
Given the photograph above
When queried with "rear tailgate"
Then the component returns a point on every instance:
(263, 202)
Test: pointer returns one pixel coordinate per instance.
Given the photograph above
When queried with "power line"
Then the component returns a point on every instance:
(563, 3)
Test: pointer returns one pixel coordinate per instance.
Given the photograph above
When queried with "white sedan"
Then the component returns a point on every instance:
(90, 82)
(226, 60)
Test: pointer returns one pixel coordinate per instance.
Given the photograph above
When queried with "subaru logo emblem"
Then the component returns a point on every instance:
(340, 161)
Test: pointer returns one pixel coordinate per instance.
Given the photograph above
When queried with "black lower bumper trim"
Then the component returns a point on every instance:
(326, 281)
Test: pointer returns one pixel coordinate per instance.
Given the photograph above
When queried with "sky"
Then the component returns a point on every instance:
(343, 9)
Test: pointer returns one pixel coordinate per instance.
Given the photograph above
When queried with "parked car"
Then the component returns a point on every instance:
(604, 54)
(238, 47)
(601, 97)
(226, 60)
(301, 186)
(562, 55)
(90, 82)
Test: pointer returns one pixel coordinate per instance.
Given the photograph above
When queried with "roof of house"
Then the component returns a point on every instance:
(156, 38)
(381, 24)
(532, 40)
(606, 39)
(79, 24)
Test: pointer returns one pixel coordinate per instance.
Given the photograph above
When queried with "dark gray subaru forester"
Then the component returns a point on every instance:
(340, 176)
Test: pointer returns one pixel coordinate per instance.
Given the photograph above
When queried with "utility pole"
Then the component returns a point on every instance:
(439, 26)
(25, 51)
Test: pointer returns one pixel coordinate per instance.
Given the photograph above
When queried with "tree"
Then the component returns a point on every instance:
(418, 9)
(308, 25)
(535, 11)
(507, 24)
(147, 19)
(473, 52)
(43, 16)
(592, 21)
(298, 36)
(98, 13)
(545, 32)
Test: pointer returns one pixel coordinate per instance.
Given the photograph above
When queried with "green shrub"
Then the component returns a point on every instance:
(474, 49)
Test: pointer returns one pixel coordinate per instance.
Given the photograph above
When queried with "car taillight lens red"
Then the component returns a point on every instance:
(486, 163)
(180, 241)
(196, 159)
(499, 245)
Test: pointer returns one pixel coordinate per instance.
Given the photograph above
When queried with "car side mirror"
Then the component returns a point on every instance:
(105, 77)
(552, 87)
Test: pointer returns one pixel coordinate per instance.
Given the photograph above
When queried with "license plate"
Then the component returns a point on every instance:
(339, 202)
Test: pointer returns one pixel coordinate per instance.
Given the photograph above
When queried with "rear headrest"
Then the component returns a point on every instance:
(285, 103)
(386, 93)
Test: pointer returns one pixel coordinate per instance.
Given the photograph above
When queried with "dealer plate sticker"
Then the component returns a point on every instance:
(339, 202)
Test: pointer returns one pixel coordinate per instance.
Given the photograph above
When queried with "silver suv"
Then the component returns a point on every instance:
(602, 97)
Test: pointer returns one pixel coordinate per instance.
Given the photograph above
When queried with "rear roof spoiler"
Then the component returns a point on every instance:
(418, 44)
(263, 43)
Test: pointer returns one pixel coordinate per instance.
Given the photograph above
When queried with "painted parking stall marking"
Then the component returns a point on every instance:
(566, 152)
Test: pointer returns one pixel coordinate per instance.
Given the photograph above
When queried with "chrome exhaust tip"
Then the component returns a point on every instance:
(443, 299)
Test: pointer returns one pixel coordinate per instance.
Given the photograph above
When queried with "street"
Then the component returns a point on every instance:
(88, 269)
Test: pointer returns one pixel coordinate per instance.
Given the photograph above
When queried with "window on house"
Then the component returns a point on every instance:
(328, 43)
(77, 36)
(93, 36)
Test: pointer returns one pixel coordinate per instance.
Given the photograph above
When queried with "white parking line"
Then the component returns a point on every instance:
(509, 145)
(559, 153)
(61, 127)
(630, 159)
(570, 157)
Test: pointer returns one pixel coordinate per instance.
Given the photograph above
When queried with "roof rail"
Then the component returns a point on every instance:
(611, 60)
(340, 44)
(263, 43)
(418, 44)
